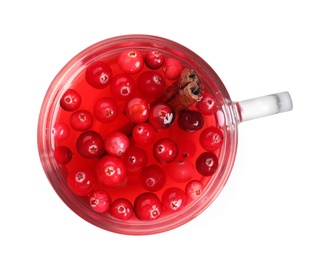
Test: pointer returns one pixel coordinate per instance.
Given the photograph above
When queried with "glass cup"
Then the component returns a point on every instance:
(228, 115)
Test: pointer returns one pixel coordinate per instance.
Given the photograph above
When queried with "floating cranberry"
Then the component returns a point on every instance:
(154, 59)
(122, 87)
(81, 120)
(62, 154)
(81, 182)
(151, 84)
(130, 61)
(211, 138)
(161, 116)
(165, 150)
(60, 131)
(105, 110)
(181, 171)
(116, 143)
(99, 201)
(172, 68)
(90, 144)
(174, 199)
(194, 189)
(207, 104)
(121, 208)
(147, 206)
(144, 134)
(135, 159)
(137, 110)
(110, 171)
(98, 74)
(207, 163)
(190, 120)
(153, 178)
(71, 100)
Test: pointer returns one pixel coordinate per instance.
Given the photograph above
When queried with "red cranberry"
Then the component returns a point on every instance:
(110, 170)
(81, 182)
(135, 159)
(181, 171)
(60, 131)
(106, 110)
(62, 155)
(151, 84)
(121, 208)
(174, 199)
(194, 189)
(207, 163)
(187, 148)
(190, 120)
(147, 206)
(130, 61)
(81, 120)
(116, 143)
(71, 100)
(137, 110)
(207, 104)
(90, 144)
(98, 74)
(165, 150)
(153, 178)
(211, 138)
(144, 134)
(122, 87)
(172, 68)
(161, 116)
(99, 201)
(154, 59)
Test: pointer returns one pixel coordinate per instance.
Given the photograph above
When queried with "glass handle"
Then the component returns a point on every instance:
(264, 106)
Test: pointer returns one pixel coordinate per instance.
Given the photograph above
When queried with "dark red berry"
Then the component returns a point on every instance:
(116, 143)
(172, 68)
(81, 182)
(121, 208)
(98, 74)
(194, 189)
(62, 154)
(211, 138)
(71, 100)
(174, 199)
(99, 201)
(180, 171)
(147, 206)
(190, 120)
(60, 131)
(135, 159)
(137, 110)
(153, 178)
(110, 171)
(122, 87)
(81, 120)
(144, 134)
(161, 116)
(165, 150)
(154, 59)
(90, 144)
(207, 104)
(130, 61)
(151, 84)
(105, 110)
(207, 163)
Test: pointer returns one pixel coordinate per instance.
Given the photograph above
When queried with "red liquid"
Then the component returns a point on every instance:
(131, 187)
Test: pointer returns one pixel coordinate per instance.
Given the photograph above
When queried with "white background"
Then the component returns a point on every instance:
(272, 205)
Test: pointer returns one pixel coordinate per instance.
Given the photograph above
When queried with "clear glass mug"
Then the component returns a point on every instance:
(229, 115)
